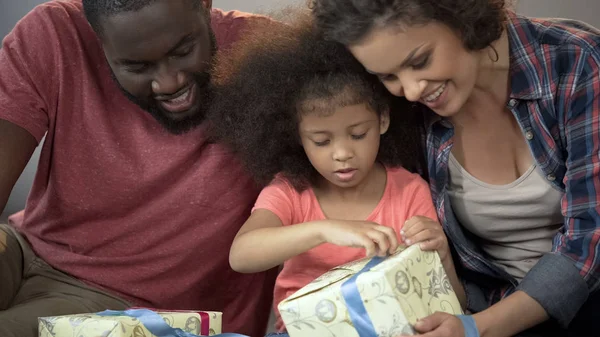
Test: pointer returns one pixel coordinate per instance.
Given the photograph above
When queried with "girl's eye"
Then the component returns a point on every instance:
(357, 137)
(323, 143)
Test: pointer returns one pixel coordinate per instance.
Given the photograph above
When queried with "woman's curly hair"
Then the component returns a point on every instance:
(267, 81)
(477, 22)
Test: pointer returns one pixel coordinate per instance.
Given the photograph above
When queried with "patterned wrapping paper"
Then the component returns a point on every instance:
(94, 325)
(408, 285)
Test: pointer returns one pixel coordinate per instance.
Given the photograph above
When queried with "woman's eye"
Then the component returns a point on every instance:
(387, 78)
(421, 63)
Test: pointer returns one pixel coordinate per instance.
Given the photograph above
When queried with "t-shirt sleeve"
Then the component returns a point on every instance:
(279, 198)
(27, 73)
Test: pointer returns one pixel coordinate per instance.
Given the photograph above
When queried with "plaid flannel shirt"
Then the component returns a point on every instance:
(555, 97)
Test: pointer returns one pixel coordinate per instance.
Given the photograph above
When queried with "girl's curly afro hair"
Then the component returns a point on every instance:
(263, 84)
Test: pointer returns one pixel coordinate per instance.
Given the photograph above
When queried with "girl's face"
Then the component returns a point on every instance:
(424, 63)
(343, 146)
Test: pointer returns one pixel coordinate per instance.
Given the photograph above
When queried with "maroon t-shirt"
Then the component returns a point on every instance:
(117, 201)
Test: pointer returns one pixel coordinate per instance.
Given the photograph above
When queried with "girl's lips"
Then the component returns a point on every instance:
(345, 175)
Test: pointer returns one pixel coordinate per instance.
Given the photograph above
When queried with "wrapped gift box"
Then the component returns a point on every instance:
(201, 323)
(408, 285)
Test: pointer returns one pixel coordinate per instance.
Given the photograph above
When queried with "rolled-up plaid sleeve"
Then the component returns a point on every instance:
(571, 270)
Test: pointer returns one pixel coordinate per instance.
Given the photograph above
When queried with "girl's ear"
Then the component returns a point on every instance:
(384, 121)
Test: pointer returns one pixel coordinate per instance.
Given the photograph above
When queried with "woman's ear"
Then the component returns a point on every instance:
(384, 121)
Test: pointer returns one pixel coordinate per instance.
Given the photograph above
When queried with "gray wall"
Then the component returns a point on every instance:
(584, 10)
(12, 10)
(254, 6)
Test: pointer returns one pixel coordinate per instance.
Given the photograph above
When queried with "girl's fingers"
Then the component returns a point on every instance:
(392, 238)
(424, 235)
(433, 244)
(370, 246)
(381, 239)
(416, 225)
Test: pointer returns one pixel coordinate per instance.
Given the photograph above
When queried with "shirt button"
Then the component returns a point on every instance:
(512, 102)
(529, 135)
(446, 124)
(551, 177)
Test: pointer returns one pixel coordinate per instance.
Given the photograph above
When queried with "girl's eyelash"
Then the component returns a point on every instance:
(361, 136)
(326, 142)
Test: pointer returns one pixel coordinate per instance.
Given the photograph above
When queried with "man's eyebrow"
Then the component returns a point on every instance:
(181, 42)
(404, 63)
(184, 40)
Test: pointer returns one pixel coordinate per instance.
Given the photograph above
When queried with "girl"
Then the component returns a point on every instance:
(306, 117)
(512, 109)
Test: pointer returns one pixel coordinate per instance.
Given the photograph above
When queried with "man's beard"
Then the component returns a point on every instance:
(204, 96)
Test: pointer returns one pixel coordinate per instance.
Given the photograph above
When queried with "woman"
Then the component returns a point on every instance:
(512, 115)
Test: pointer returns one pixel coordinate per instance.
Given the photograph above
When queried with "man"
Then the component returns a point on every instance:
(131, 205)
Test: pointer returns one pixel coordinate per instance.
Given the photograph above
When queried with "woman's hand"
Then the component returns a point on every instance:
(374, 238)
(440, 325)
(428, 234)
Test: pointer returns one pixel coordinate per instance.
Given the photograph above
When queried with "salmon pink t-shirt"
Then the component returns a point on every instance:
(117, 201)
(406, 195)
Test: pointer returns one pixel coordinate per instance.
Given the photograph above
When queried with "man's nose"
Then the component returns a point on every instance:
(168, 81)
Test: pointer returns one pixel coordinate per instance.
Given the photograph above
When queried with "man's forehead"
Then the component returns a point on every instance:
(154, 17)
(160, 25)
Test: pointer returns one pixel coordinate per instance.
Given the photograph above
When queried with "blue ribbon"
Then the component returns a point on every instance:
(356, 308)
(468, 323)
(156, 324)
(358, 313)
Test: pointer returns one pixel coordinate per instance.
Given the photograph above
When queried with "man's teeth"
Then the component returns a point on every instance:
(436, 94)
(181, 98)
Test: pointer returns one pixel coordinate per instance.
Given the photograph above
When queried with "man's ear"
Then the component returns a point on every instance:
(384, 121)
(207, 4)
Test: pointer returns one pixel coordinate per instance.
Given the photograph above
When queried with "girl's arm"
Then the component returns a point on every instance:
(263, 242)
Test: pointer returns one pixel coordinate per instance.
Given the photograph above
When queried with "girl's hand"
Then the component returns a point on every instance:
(428, 234)
(376, 239)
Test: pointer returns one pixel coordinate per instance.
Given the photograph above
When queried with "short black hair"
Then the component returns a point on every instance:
(95, 10)
(477, 22)
(270, 78)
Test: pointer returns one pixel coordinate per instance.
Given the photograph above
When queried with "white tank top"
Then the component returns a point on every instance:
(515, 222)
